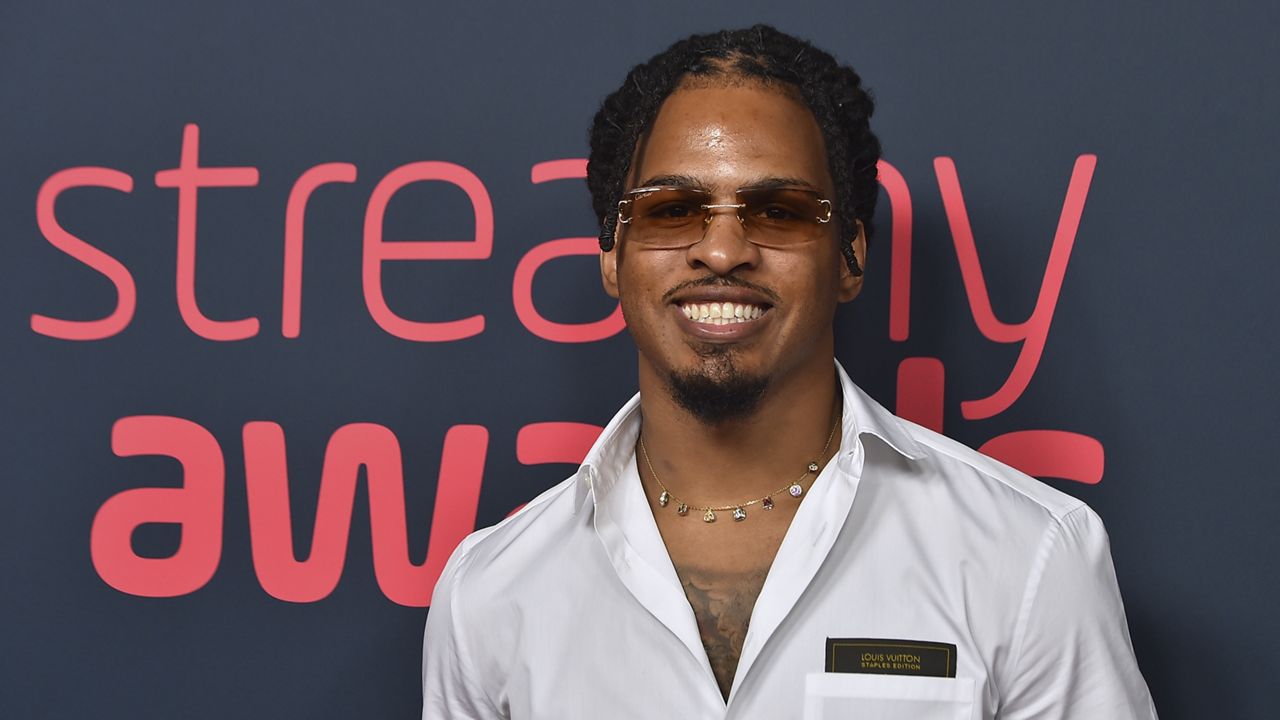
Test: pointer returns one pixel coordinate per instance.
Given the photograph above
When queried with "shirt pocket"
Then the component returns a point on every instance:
(836, 696)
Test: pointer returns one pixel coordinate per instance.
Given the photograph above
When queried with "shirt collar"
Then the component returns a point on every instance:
(608, 457)
(862, 414)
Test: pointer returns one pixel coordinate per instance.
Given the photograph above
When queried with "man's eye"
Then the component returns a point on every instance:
(673, 211)
(776, 213)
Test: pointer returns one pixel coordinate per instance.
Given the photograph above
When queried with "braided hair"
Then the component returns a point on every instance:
(832, 92)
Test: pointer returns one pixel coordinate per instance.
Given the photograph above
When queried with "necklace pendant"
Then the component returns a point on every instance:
(767, 503)
(664, 498)
(796, 490)
(739, 514)
(709, 516)
(813, 467)
(682, 509)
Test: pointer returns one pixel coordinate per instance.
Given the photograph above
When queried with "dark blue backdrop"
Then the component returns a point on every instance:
(1160, 347)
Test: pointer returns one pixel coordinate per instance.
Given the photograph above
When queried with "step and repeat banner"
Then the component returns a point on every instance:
(297, 295)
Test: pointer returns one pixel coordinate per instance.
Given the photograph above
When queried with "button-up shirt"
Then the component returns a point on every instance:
(571, 608)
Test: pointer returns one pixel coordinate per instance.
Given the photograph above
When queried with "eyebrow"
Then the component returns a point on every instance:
(693, 183)
(678, 181)
(777, 182)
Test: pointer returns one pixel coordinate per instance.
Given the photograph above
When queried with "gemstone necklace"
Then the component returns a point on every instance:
(795, 489)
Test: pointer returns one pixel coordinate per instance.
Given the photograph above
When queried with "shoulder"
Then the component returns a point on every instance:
(503, 553)
(966, 471)
(971, 504)
(491, 581)
(930, 471)
(549, 543)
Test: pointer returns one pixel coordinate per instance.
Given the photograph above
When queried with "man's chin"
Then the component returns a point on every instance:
(717, 393)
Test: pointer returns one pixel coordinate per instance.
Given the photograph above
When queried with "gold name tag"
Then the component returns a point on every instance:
(880, 656)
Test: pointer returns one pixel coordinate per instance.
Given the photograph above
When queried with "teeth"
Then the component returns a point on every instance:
(721, 313)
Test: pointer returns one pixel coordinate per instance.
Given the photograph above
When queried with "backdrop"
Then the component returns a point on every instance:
(295, 295)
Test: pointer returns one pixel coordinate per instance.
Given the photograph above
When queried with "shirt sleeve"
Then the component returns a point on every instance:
(1073, 656)
(450, 687)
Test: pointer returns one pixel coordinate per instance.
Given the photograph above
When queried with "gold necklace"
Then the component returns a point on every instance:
(794, 488)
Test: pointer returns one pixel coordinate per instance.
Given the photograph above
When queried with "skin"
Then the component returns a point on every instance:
(725, 136)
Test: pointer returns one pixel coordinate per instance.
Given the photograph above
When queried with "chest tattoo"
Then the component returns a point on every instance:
(722, 603)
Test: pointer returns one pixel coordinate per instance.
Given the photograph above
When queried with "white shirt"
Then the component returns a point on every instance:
(571, 608)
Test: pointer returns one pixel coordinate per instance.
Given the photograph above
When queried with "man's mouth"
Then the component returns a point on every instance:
(722, 313)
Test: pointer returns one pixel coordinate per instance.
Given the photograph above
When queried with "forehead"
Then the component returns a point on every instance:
(726, 136)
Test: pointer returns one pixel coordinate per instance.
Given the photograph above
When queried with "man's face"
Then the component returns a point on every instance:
(722, 138)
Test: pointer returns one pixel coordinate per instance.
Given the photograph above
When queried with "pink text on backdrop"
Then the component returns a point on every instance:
(197, 506)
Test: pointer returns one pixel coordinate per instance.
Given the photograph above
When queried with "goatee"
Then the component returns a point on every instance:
(719, 394)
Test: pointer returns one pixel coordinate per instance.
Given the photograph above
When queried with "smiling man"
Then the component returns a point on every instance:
(752, 536)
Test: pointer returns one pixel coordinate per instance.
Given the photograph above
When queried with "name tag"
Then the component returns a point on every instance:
(880, 656)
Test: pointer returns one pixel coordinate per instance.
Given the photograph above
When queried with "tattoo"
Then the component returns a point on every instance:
(722, 603)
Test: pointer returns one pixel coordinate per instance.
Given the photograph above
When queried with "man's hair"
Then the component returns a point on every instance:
(833, 93)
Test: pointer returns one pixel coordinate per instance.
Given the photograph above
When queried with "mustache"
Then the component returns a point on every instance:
(721, 281)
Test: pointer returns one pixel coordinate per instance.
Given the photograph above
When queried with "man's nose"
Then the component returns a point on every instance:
(724, 247)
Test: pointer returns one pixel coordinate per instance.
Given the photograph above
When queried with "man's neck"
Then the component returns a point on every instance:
(741, 458)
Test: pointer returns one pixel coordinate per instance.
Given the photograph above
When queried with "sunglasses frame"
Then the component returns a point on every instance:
(632, 195)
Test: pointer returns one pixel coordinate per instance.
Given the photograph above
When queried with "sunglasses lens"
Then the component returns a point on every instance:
(669, 217)
(781, 216)
(677, 217)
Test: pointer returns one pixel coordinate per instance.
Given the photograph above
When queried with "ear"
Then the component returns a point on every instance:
(850, 284)
(609, 269)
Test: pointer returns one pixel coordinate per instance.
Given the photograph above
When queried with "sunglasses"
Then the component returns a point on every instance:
(676, 217)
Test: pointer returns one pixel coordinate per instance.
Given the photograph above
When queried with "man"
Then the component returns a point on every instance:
(752, 536)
